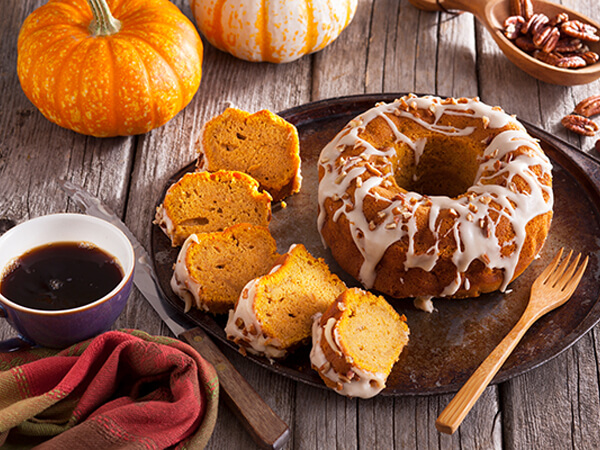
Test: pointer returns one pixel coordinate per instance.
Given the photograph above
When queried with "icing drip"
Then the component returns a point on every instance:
(494, 189)
(363, 384)
(163, 220)
(182, 283)
(244, 328)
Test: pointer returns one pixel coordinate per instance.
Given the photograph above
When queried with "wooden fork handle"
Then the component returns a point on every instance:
(458, 408)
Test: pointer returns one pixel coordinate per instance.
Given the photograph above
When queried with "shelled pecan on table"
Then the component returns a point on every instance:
(579, 121)
(580, 124)
(558, 41)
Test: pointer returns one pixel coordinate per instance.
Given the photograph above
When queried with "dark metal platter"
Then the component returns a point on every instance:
(446, 346)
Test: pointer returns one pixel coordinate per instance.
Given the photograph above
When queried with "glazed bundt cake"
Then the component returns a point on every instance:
(262, 145)
(356, 343)
(430, 197)
(203, 202)
(212, 268)
(274, 312)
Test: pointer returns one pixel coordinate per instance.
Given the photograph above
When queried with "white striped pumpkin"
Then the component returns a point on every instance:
(272, 30)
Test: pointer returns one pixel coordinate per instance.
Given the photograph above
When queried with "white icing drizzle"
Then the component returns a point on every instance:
(363, 384)
(424, 304)
(182, 282)
(163, 220)
(250, 332)
(472, 225)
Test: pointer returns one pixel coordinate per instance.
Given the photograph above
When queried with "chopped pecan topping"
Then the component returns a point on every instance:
(588, 107)
(580, 124)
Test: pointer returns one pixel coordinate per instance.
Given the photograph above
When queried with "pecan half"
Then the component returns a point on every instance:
(535, 23)
(580, 30)
(590, 57)
(571, 62)
(559, 19)
(548, 58)
(568, 45)
(546, 38)
(521, 8)
(512, 26)
(525, 43)
(579, 124)
(588, 107)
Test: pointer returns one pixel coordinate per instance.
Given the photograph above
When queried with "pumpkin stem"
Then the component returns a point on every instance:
(104, 23)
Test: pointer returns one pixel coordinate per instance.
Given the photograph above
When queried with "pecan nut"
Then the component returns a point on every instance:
(590, 57)
(559, 19)
(588, 107)
(579, 124)
(512, 27)
(568, 45)
(522, 8)
(526, 44)
(547, 57)
(556, 41)
(580, 30)
(546, 38)
(535, 23)
(571, 62)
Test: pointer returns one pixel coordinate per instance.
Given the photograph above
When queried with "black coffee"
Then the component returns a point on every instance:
(61, 275)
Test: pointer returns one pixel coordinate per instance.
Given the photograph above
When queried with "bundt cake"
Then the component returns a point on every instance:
(203, 202)
(356, 343)
(274, 312)
(262, 145)
(212, 268)
(430, 197)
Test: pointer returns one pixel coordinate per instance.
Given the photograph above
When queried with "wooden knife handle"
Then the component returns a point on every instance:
(265, 427)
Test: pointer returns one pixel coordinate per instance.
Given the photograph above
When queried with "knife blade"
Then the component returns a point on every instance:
(265, 427)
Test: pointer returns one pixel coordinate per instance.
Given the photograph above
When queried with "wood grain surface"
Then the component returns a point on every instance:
(389, 47)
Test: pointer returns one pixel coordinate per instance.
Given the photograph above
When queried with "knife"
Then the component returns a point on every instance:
(265, 427)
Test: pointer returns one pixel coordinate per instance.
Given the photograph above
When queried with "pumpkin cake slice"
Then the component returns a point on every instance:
(212, 268)
(356, 343)
(203, 202)
(262, 145)
(274, 312)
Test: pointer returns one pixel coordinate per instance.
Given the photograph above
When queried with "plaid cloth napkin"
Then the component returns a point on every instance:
(122, 389)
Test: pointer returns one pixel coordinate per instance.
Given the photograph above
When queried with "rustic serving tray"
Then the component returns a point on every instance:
(447, 345)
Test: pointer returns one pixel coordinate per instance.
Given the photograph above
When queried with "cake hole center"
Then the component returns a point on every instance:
(447, 167)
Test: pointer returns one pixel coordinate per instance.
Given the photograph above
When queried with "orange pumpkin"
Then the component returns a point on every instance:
(109, 67)
(274, 31)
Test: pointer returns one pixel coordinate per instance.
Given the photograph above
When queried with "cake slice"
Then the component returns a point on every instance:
(212, 268)
(203, 202)
(274, 312)
(356, 343)
(262, 145)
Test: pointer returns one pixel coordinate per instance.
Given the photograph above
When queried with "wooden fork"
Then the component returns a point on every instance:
(552, 288)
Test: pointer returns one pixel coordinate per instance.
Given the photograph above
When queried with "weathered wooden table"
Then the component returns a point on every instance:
(389, 47)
